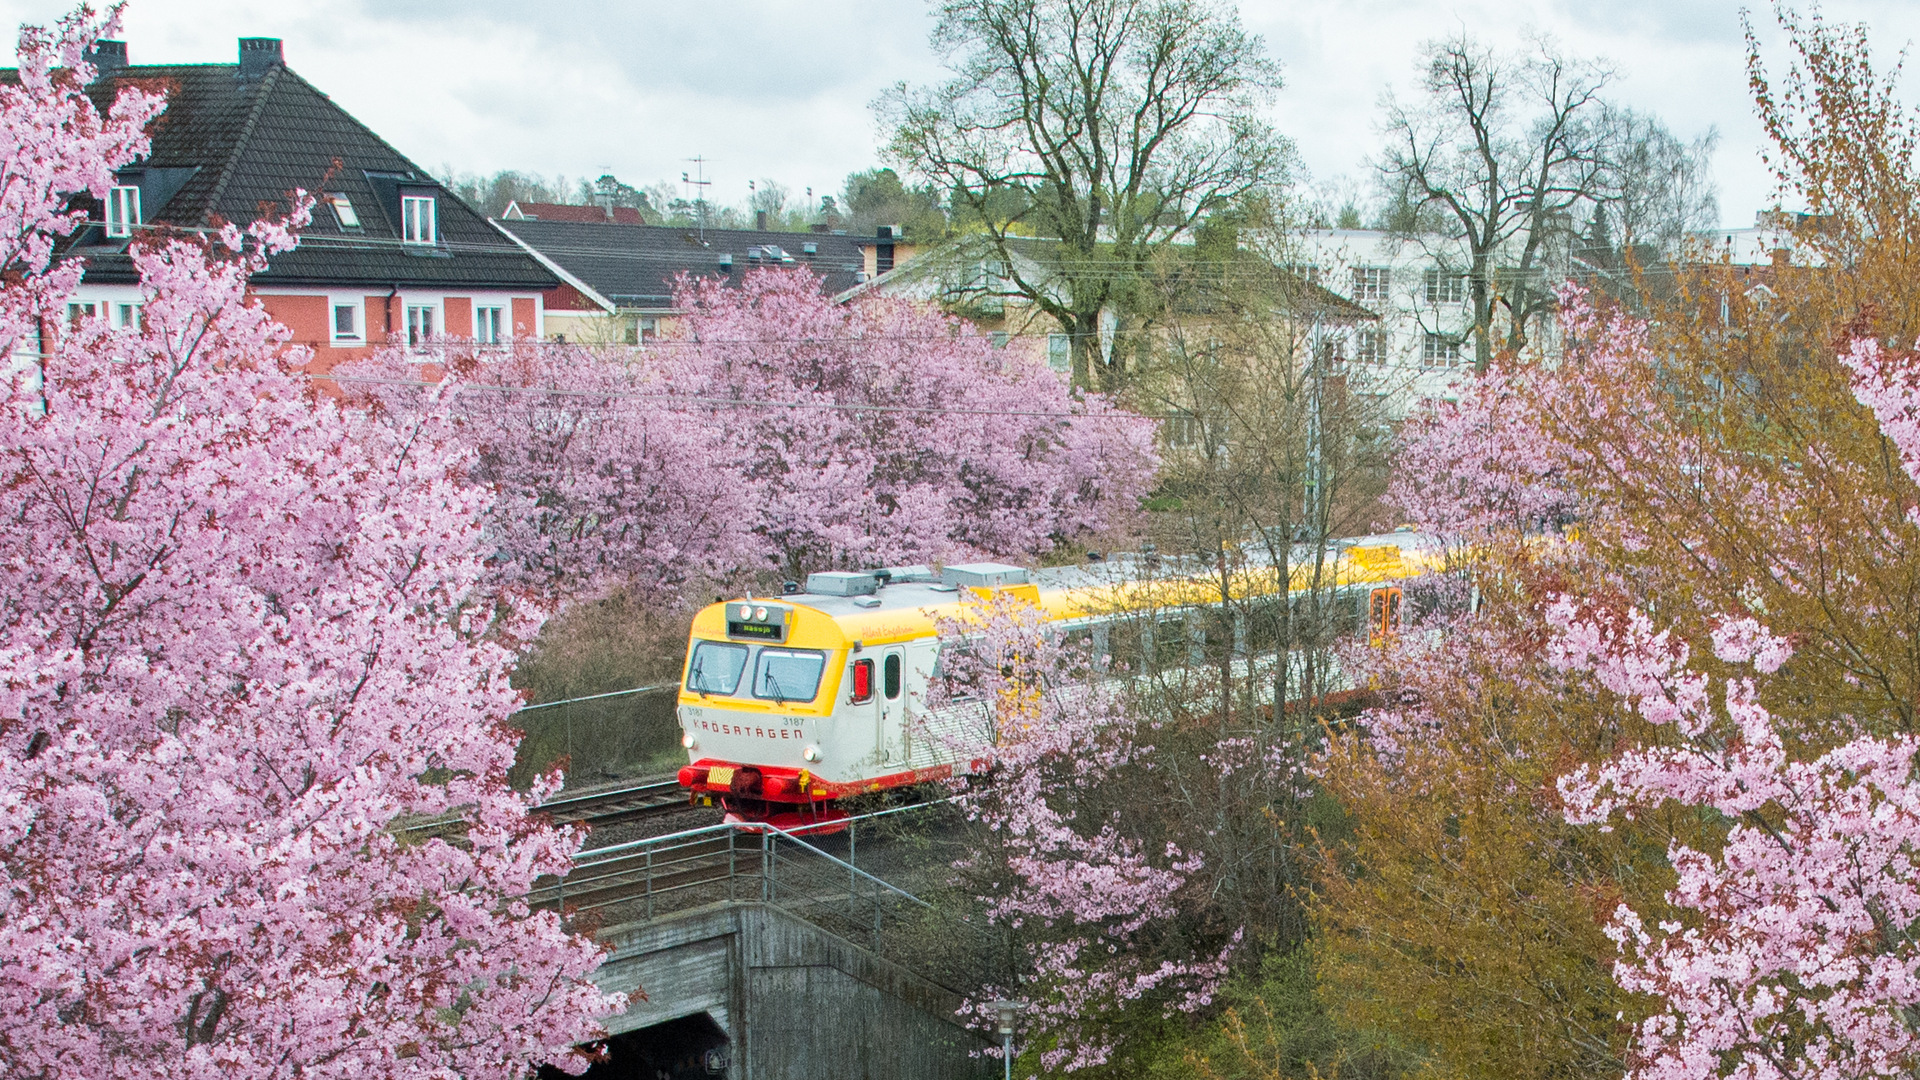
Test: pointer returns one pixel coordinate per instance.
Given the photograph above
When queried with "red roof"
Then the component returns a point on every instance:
(585, 215)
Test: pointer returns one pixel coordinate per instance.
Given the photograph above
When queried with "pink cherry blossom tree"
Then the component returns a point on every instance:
(1101, 912)
(596, 475)
(901, 434)
(776, 433)
(240, 641)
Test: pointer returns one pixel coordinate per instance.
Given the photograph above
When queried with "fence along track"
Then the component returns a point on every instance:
(735, 862)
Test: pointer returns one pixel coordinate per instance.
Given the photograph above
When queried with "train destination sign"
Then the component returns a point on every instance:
(755, 620)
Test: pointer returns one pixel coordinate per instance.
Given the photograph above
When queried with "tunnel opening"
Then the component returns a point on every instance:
(687, 1048)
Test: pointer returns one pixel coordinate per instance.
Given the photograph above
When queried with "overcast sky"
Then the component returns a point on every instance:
(780, 88)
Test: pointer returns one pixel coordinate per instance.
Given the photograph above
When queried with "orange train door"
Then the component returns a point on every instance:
(1383, 615)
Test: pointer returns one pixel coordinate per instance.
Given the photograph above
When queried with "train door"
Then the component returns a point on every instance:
(1383, 615)
(889, 713)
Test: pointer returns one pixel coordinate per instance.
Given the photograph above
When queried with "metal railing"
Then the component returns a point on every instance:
(605, 738)
(737, 862)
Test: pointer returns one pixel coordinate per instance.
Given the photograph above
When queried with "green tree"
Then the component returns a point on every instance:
(877, 197)
(1116, 125)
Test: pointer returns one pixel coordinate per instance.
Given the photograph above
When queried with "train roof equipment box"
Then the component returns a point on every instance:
(843, 583)
(983, 575)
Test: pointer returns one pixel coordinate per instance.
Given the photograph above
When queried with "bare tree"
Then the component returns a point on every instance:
(1514, 152)
(1110, 125)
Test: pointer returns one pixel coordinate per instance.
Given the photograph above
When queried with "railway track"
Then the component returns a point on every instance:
(655, 795)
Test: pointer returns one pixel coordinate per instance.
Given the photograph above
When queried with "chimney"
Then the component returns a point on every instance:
(259, 55)
(884, 232)
(107, 57)
(760, 220)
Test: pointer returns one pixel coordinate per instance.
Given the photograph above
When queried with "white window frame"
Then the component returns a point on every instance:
(417, 314)
(333, 322)
(419, 219)
(490, 324)
(123, 211)
(1438, 352)
(1060, 352)
(1369, 345)
(126, 316)
(1372, 282)
(1445, 287)
(82, 309)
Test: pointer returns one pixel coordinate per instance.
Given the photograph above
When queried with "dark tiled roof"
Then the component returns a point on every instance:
(595, 215)
(227, 149)
(634, 265)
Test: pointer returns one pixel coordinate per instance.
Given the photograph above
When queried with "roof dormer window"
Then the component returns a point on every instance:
(344, 212)
(418, 221)
(123, 211)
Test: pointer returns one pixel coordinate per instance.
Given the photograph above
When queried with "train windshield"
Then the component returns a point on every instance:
(716, 667)
(788, 674)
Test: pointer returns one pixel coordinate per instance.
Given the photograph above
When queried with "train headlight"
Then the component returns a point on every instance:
(760, 614)
(746, 612)
(811, 753)
(689, 741)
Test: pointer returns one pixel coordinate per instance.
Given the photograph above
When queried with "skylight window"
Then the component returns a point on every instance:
(343, 210)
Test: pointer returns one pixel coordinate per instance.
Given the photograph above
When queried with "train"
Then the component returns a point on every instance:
(789, 705)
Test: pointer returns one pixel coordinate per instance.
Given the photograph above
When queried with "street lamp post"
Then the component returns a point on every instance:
(1005, 1012)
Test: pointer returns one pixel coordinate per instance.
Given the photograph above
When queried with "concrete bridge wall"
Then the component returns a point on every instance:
(796, 1002)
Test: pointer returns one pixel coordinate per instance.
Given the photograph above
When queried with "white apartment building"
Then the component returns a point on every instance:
(1418, 287)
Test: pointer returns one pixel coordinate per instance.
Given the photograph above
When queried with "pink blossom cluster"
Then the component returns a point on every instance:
(239, 641)
(1795, 957)
(1085, 897)
(777, 432)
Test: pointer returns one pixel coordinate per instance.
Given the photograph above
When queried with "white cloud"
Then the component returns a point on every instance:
(780, 88)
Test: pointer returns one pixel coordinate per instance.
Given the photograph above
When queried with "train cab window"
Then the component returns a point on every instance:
(788, 674)
(890, 676)
(716, 667)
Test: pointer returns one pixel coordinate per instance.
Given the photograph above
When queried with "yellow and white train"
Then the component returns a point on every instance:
(789, 704)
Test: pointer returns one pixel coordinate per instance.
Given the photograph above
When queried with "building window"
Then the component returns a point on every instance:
(487, 322)
(1370, 345)
(419, 324)
(343, 211)
(1060, 352)
(82, 309)
(123, 211)
(998, 338)
(417, 221)
(1440, 351)
(1182, 429)
(1371, 282)
(1307, 271)
(1331, 355)
(649, 329)
(126, 316)
(1444, 287)
(346, 322)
